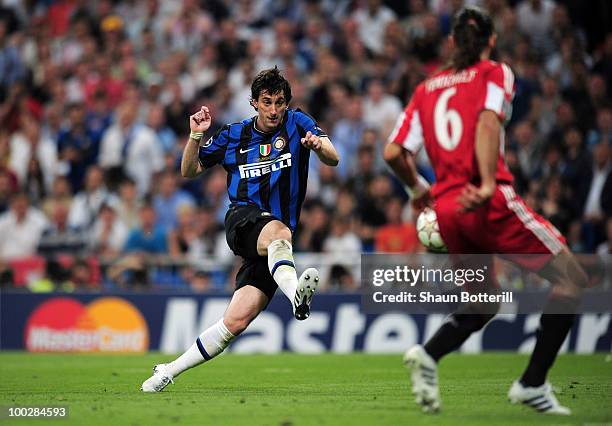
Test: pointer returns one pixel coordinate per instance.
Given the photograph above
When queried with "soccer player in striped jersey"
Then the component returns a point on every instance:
(266, 158)
(458, 116)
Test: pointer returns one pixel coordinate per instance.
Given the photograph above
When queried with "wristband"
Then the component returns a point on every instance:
(196, 136)
(420, 187)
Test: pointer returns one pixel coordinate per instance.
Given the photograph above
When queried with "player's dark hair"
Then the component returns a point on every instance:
(472, 28)
(271, 81)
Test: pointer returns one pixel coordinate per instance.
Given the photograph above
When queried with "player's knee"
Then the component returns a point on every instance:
(274, 230)
(567, 290)
(472, 322)
(283, 234)
(237, 324)
(474, 317)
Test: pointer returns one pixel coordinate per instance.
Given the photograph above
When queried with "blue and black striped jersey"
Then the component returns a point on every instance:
(269, 170)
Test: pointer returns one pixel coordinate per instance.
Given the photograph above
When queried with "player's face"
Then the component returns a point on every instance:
(270, 110)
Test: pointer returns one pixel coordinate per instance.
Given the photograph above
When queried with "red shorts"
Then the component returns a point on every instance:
(504, 225)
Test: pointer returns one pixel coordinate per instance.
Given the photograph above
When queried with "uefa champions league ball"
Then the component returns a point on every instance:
(428, 231)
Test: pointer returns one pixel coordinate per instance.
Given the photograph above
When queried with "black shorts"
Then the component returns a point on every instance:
(243, 224)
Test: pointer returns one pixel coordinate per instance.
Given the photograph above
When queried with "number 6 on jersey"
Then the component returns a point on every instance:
(447, 122)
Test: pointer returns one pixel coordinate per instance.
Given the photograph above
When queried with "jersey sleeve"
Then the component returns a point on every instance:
(499, 91)
(408, 130)
(308, 124)
(213, 150)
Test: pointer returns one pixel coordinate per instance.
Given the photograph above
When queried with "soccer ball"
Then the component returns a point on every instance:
(428, 231)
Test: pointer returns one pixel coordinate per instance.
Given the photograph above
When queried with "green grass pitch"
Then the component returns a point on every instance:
(295, 390)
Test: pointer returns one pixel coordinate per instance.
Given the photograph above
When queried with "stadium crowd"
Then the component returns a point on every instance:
(95, 98)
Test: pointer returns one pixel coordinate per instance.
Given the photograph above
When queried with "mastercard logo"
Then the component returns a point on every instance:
(108, 324)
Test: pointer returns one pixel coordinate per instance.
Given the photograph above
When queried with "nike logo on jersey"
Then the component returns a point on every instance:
(264, 167)
(243, 151)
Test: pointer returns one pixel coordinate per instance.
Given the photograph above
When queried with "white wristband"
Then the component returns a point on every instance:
(196, 136)
(420, 188)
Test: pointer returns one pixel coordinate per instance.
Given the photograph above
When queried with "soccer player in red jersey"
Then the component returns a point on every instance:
(458, 116)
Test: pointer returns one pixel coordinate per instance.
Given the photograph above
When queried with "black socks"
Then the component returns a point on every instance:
(555, 323)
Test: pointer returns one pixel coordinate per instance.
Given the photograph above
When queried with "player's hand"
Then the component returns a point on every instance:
(311, 141)
(201, 120)
(473, 197)
(419, 203)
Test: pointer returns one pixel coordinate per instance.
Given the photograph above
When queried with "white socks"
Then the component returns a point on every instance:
(282, 268)
(210, 344)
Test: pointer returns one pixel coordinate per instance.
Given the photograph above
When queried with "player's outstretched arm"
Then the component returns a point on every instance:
(323, 147)
(403, 164)
(198, 123)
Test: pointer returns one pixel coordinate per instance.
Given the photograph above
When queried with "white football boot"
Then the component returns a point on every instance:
(541, 398)
(424, 375)
(307, 285)
(158, 381)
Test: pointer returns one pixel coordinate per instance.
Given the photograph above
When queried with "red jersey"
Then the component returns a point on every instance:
(443, 114)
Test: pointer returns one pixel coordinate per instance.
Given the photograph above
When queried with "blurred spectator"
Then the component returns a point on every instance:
(78, 146)
(341, 279)
(11, 65)
(215, 193)
(425, 45)
(508, 34)
(551, 164)
(544, 106)
(109, 232)
(156, 120)
(312, 233)
(211, 237)
(87, 203)
(371, 22)
(199, 282)
(21, 228)
(535, 20)
(131, 270)
(183, 241)
(396, 236)
(60, 194)
(601, 168)
(29, 144)
(80, 277)
(593, 215)
(130, 149)
(328, 185)
(364, 172)
(347, 134)
(341, 240)
(104, 82)
(576, 168)
(148, 238)
(61, 238)
(603, 131)
(168, 200)
(98, 118)
(380, 110)
(128, 205)
(554, 206)
(371, 210)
